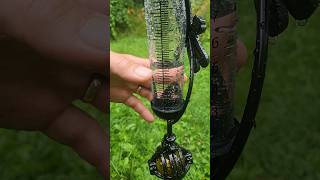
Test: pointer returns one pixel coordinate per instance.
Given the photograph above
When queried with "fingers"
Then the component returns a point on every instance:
(145, 93)
(141, 90)
(66, 31)
(138, 60)
(77, 130)
(169, 75)
(97, 5)
(185, 78)
(242, 54)
(101, 99)
(138, 106)
(129, 70)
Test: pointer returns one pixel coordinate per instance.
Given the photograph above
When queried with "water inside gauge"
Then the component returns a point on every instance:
(166, 29)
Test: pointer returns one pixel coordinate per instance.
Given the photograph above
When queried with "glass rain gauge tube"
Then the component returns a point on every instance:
(223, 74)
(170, 34)
(229, 136)
(166, 22)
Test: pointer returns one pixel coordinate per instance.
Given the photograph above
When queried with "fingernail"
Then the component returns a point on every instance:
(151, 120)
(94, 33)
(143, 72)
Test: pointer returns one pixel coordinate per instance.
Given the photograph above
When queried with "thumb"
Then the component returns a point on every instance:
(242, 54)
(129, 70)
(63, 30)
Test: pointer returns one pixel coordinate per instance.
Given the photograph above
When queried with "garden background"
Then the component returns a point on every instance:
(133, 141)
(33, 156)
(285, 144)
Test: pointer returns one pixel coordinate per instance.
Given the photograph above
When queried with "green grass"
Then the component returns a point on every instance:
(33, 156)
(133, 141)
(285, 144)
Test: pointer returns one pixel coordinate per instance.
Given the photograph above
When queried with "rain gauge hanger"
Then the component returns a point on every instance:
(229, 136)
(171, 31)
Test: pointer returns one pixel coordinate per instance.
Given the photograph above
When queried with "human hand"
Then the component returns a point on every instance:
(242, 55)
(73, 32)
(130, 75)
(52, 49)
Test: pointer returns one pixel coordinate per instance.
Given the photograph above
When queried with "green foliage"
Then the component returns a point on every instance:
(285, 144)
(119, 17)
(196, 4)
(120, 20)
(133, 141)
(32, 155)
(26, 155)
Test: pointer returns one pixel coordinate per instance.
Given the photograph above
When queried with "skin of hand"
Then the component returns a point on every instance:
(51, 50)
(241, 51)
(128, 72)
(242, 54)
(71, 38)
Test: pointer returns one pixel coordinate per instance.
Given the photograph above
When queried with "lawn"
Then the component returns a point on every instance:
(133, 141)
(33, 156)
(285, 144)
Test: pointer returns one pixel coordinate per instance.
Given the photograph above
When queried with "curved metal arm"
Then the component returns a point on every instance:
(272, 20)
(196, 54)
(223, 165)
(190, 55)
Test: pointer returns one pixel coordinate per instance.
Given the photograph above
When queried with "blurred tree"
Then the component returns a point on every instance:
(119, 13)
(119, 18)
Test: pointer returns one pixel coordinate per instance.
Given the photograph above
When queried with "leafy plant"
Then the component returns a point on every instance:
(119, 16)
(133, 141)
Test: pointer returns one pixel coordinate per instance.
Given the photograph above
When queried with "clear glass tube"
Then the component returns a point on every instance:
(166, 30)
(223, 67)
